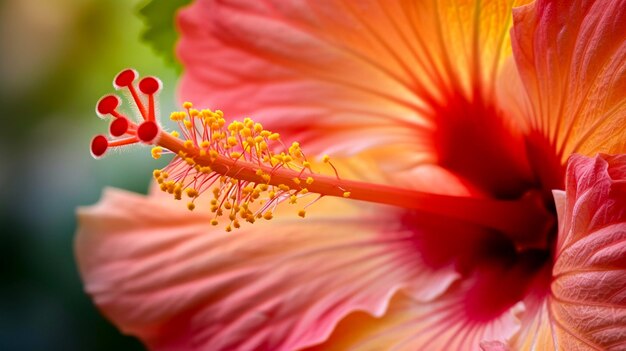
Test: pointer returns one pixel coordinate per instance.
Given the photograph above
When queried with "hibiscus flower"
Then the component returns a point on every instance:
(457, 136)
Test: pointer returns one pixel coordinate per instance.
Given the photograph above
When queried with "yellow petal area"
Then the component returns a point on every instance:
(410, 325)
(167, 276)
(342, 75)
(536, 334)
(572, 60)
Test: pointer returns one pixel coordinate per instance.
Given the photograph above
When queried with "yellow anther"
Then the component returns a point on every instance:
(187, 124)
(191, 192)
(247, 189)
(266, 177)
(274, 136)
(194, 113)
(306, 164)
(188, 144)
(326, 158)
(346, 194)
(304, 191)
(296, 180)
(265, 133)
(178, 191)
(236, 224)
(214, 222)
(156, 152)
(232, 141)
(229, 229)
(174, 116)
(190, 161)
(272, 194)
(310, 180)
(268, 215)
(175, 134)
(263, 187)
(302, 213)
(293, 199)
(191, 206)
(259, 172)
(205, 144)
(246, 132)
(165, 175)
(187, 105)
(283, 187)
(157, 173)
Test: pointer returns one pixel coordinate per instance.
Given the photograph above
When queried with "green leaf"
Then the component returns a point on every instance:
(160, 33)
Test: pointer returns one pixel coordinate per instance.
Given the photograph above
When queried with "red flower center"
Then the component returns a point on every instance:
(474, 143)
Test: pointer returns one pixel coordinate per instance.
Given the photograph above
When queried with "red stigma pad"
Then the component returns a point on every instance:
(147, 131)
(99, 145)
(119, 127)
(149, 85)
(125, 78)
(107, 104)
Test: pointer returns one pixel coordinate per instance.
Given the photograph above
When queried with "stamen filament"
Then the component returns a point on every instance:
(142, 109)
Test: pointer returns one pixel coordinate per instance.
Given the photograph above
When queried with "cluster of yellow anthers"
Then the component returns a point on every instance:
(208, 137)
(247, 168)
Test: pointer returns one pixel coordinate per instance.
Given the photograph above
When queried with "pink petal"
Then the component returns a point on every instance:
(587, 307)
(340, 75)
(168, 277)
(589, 285)
(571, 56)
(494, 346)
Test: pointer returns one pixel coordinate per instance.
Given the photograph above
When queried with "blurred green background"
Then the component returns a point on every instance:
(58, 57)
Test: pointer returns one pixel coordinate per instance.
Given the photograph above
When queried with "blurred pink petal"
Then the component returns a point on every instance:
(166, 276)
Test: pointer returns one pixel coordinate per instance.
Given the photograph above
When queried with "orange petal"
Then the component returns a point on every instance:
(341, 75)
(168, 277)
(587, 308)
(571, 57)
(412, 325)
